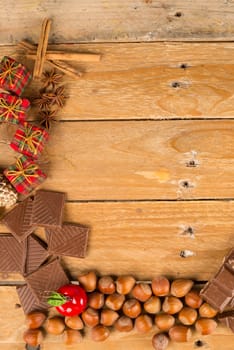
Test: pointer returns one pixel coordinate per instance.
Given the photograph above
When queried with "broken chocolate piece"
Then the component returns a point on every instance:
(47, 208)
(12, 254)
(69, 240)
(28, 300)
(46, 279)
(219, 292)
(36, 254)
(18, 220)
(227, 319)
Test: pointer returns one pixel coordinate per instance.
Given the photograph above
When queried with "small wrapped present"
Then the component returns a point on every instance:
(24, 175)
(29, 140)
(12, 108)
(14, 76)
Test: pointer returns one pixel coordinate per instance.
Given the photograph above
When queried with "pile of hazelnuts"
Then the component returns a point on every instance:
(173, 308)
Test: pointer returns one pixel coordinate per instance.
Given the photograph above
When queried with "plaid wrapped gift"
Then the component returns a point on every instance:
(29, 140)
(25, 175)
(13, 109)
(14, 76)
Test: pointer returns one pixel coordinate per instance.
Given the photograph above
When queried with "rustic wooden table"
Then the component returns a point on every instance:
(144, 148)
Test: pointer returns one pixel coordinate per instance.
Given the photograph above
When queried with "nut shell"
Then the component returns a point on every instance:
(207, 311)
(124, 324)
(193, 299)
(142, 291)
(143, 324)
(96, 300)
(205, 326)
(160, 286)
(72, 336)
(180, 287)
(132, 308)
(55, 325)
(90, 317)
(172, 305)
(88, 281)
(160, 341)
(124, 284)
(74, 322)
(99, 333)
(153, 305)
(187, 316)
(108, 317)
(115, 301)
(106, 285)
(180, 334)
(33, 337)
(164, 321)
(35, 319)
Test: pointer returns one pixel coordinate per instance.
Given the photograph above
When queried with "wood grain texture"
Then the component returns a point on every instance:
(147, 81)
(118, 20)
(11, 336)
(146, 238)
(138, 160)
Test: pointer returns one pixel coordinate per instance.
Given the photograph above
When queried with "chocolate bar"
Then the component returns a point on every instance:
(219, 292)
(28, 300)
(18, 220)
(12, 254)
(46, 279)
(47, 209)
(36, 254)
(69, 240)
(227, 319)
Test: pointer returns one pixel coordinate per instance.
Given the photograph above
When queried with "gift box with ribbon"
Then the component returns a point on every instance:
(14, 76)
(24, 175)
(13, 109)
(29, 140)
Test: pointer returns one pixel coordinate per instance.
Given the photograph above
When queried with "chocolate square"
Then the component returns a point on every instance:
(227, 318)
(46, 279)
(36, 254)
(69, 240)
(215, 296)
(225, 278)
(12, 254)
(47, 208)
(18, 220)
(28, 300)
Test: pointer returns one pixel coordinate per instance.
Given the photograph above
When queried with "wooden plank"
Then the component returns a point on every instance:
(118, 20)
(147, 238)
(150, 80)
(12, 327)
(137, 160)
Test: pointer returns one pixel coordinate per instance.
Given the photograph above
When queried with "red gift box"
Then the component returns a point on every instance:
(14, 76)
(12, 108)
(29, 140)
(24, 175)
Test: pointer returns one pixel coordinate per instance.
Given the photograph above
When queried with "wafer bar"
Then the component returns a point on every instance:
(18, 220)
(69, 240)
(46, 279)
(219, 292)
(47, 210)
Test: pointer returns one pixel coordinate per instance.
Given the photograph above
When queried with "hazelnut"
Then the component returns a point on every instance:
(160, 341)
(108, 317)
(124, 324)
(90, 317)
(187, 316)
(164, 321)
(124, 284)
(205, 326)
(160, 286)
(96, 300)
(132, 308)
(99, 333)
(74, 322)
(172, 305)
(55, 325)
(115, 301)
(106, 285)
(180, 287)
(207, 311)
(180, 334)
(193, 299)
(72, 336)
(88, 281)
(142, 291)
(33, 337)
(152, 305)
(143, 324)
(35, 319)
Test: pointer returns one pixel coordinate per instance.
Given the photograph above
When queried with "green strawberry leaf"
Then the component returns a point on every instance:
(56, 299)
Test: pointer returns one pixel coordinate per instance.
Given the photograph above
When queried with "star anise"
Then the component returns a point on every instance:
(47, 118)
(51, 78)
(57, 97)
(43, 102)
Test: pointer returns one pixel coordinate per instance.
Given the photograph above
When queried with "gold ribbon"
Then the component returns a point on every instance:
(10, 70)
(12, 109)
(29, 139)
(21, 171)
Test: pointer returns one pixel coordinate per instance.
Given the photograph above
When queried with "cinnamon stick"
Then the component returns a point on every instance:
(42, 47)
(65, 68)
(68, 56)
